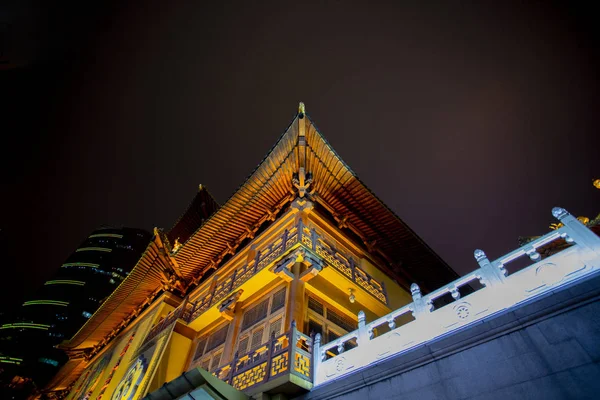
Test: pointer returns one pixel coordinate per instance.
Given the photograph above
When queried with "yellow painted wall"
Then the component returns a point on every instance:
(173, 361)
(141, 326)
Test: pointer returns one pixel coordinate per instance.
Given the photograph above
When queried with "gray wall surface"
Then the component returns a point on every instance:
(544, 349)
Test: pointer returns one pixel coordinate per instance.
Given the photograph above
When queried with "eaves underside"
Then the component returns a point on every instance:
(266, 191)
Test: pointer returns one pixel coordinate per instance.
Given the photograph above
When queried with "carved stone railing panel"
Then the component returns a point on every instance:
(500, 291)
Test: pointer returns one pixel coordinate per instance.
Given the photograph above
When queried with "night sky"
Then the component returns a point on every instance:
(470, 122)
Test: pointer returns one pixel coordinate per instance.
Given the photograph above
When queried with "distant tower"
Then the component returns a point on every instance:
(66, 301)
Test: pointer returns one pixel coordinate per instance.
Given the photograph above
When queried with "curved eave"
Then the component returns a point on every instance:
(341, 188)
(142, 281)
(267, 189)
(337, 185)
(199, 210)
(66, 375)
(262, 191)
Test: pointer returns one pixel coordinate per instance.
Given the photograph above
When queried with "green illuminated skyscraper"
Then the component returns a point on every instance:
(63, 304)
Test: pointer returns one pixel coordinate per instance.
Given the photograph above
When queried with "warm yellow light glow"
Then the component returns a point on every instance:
(584, 220)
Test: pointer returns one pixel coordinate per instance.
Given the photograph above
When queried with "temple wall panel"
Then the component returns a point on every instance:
(105, 370)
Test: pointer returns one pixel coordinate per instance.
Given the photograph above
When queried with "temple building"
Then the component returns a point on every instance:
(234, 296)
(65, 303)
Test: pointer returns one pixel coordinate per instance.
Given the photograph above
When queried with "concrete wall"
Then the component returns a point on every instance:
(545, 349)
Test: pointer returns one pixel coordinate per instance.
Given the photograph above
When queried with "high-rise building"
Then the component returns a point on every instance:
(65, 302)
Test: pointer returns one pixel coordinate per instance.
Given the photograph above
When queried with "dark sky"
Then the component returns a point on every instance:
(469, 121)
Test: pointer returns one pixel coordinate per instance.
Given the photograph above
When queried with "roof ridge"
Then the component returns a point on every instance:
(336, 154)
(418, 257)
(248, 177)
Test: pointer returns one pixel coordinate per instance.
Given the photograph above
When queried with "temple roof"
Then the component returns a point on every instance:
(200, 209)
(336, 187)
(302, 162)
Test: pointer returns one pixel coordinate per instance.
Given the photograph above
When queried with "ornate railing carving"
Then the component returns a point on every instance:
(289, 353)
(312, 241)
(343, 263)
(500, 291)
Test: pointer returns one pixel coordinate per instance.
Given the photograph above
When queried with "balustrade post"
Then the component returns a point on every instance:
(256, 260)
(269, 356)
(420, 308)
(316, 356)
(313, 238)
(363, 335)
(233, 366)
(576, 230)
(284, 241)
(213, 288)
(311, 347)
(492, 275)
(292, 345)
(300, 229)
(384, 291)
(233, 280)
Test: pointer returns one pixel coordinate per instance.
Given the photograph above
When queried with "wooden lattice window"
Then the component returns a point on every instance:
(215, 361)
(278, 300)
(255, 314)
(340, 320)
(315, 305)
(327, 321)
(217, 338)
(200, 348)
(243, 345)
(256, 338)
(275, 328)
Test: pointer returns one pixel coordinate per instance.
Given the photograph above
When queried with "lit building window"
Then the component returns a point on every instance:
(48, 361)
(327, 321)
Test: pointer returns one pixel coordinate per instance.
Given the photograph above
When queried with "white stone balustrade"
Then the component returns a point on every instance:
(500, 291)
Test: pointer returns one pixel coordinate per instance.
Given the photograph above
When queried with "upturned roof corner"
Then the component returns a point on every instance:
(302, 163)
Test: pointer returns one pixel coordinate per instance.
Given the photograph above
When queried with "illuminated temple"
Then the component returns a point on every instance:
(299, 249)
(303, 279)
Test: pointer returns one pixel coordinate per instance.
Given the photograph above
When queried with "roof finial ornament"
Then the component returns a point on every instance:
(301, 108)
(177, 245)
(200, 187)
